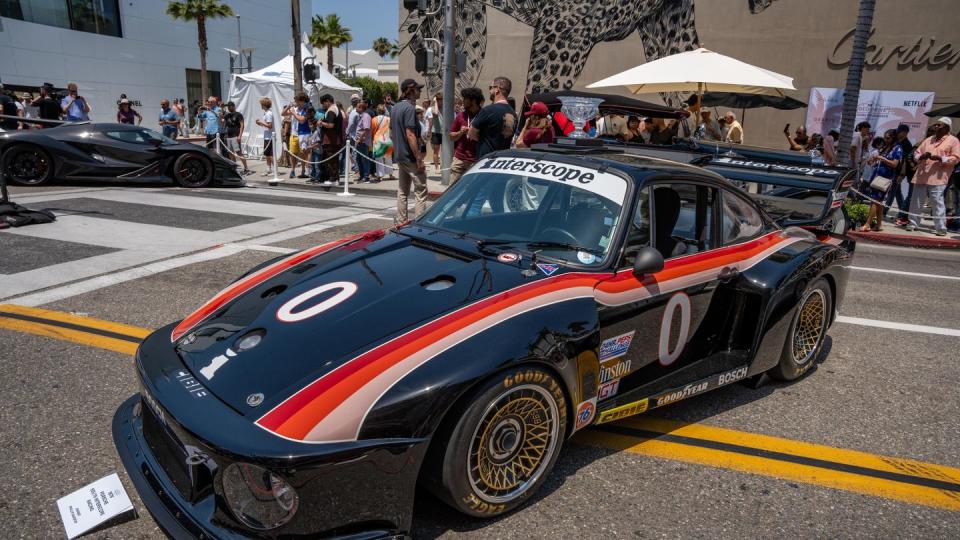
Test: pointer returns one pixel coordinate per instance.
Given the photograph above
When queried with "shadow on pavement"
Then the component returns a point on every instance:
(433, 518)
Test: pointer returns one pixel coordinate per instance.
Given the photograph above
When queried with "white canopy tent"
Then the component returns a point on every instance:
(276, 82)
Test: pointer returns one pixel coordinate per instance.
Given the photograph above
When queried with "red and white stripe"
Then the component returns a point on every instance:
(334, 406)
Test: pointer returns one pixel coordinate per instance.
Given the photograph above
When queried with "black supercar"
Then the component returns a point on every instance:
(88, 151)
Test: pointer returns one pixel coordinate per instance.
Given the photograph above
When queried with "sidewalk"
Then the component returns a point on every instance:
(386, 188)
(923, 237)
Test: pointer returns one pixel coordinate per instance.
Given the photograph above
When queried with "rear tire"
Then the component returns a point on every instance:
(192, 170)
(503, 446)
(808, 330)
(27, 165)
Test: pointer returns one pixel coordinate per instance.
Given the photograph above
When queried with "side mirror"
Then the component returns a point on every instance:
(156, 142)
(648, 261)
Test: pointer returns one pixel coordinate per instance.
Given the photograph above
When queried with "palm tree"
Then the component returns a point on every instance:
(395, 49)
(328, 32)
(382, 46)
(851, 93)
(200, 11)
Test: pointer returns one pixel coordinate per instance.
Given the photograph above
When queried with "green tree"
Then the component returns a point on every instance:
(329, 32)
(382, 46)
(200, 11)
(851, 93)
(373, 89)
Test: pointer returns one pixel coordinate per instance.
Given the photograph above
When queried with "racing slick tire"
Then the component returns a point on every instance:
(191, 170)
(808, 330)
(27, 164)
(503, 445)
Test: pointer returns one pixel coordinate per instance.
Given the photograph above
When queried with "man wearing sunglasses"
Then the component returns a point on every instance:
(494, 125)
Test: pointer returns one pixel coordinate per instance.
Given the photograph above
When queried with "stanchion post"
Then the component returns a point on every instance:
(346, 172)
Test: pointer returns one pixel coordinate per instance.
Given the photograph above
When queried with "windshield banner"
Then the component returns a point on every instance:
(609, 186)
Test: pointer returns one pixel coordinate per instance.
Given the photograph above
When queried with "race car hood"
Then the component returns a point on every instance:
(320, 308)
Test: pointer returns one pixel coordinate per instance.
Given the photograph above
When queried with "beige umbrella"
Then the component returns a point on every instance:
(699, 71)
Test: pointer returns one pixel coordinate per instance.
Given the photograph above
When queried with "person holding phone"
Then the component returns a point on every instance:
(75, 108)
(936, 157)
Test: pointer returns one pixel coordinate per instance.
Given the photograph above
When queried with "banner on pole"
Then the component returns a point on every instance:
(884, 109)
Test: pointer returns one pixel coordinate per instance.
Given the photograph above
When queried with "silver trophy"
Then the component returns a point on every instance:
(579, 110)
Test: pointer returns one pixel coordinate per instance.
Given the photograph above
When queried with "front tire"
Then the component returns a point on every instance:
(808, 330)
(504, 444)
(27, 165)
(191, 170)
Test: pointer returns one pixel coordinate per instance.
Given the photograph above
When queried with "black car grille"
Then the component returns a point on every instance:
(167, 450)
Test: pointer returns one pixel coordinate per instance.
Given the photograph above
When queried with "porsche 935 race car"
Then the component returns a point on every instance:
(546, 291)
(86, 151)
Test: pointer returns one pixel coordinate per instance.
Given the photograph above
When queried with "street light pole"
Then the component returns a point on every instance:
(449, 88)
(239, 47)
(297, 61)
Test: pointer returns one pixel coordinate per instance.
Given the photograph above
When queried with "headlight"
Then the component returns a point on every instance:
(259, 498)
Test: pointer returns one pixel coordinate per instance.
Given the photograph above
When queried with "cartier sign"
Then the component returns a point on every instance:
(928, 52)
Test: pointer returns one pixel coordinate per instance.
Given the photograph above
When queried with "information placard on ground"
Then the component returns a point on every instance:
(93, 505)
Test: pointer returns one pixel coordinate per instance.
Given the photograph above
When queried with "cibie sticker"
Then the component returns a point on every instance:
(508, 257)
(586, 257)
(548, 269)
(585, 413)
(616, 346)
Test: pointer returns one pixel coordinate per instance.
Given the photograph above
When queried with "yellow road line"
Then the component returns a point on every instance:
(108, 335)
(893, 478)
(90, 322)
(849, 470)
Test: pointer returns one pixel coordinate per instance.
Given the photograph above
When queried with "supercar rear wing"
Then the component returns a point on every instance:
(793, 194)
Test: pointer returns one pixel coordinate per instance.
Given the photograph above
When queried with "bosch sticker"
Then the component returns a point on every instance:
(548, 269)
(616, 346)
(585, 413)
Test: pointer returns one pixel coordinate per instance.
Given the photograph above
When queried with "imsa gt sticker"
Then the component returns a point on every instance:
(616, 346)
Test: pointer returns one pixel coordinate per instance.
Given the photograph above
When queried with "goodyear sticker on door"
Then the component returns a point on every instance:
(616, 346)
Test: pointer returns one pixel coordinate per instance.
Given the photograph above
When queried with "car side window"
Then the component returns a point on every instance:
(638, 235)
(739, 221)
(128, 136)
(683, 219)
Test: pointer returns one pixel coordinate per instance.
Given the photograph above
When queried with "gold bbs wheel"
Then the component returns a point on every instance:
(513, 443)
(810, 326)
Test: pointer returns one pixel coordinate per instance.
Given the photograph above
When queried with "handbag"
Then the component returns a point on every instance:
(881, 183)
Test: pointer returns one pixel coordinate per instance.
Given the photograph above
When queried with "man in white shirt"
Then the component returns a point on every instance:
(733, 128)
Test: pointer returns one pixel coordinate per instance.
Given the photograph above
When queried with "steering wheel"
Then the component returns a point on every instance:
(567, 235)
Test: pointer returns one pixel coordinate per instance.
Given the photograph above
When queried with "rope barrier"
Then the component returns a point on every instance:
(890, 207)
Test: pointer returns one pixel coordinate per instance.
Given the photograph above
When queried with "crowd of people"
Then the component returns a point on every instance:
(47, 105)
(387, 137)
(891, 168)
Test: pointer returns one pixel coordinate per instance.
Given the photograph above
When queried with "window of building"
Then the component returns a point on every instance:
(193, 87)
(95, 16)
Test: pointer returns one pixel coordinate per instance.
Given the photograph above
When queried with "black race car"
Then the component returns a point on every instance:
(546, 291)
(86, 151)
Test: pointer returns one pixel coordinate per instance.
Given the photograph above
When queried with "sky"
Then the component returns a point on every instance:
(366, 19)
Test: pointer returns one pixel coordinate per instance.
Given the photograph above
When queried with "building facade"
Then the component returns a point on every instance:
(132, 47)
(567, 44)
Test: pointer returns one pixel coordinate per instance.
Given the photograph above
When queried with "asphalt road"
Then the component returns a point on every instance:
(129, 255)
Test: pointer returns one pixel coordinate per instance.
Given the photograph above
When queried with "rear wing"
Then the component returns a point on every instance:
(809, 196)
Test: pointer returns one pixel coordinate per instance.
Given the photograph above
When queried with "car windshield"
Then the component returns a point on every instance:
(562, 211)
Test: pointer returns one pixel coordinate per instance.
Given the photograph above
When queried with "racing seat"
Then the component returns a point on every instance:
(666, 204)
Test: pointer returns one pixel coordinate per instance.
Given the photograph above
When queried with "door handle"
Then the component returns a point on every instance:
(728, 274)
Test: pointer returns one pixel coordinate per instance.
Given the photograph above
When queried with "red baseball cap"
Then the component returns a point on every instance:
(538, 108)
